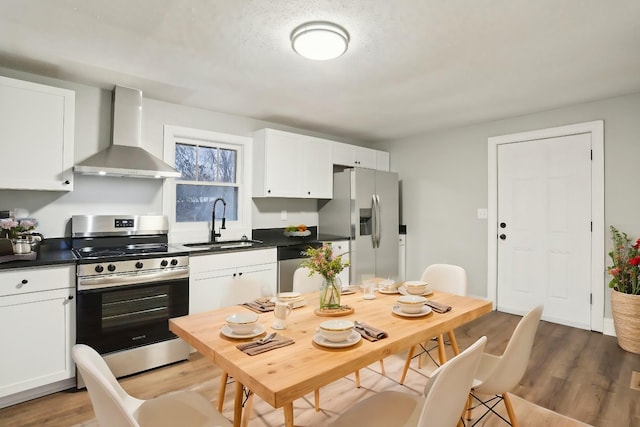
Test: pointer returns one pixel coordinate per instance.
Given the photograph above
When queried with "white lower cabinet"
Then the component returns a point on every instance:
(222, 280)
(37, 314)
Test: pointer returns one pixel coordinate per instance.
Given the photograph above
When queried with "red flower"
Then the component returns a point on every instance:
(614, 271)
(637, 245)
(635, 260)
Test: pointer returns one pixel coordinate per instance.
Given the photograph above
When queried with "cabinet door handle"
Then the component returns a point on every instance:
(67, 182)
(240, 274)
(234, 274)
(70, 296)
(24, 281)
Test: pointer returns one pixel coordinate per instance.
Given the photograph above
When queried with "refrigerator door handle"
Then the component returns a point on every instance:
(374, 221)
(378, 221)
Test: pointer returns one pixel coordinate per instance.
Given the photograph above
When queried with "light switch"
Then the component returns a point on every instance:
(283, 215)
(483, 213)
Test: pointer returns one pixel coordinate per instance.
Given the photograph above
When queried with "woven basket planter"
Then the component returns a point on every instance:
(626, 320)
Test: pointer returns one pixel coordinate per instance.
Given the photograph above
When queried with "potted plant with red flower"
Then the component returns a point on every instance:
(625, 294)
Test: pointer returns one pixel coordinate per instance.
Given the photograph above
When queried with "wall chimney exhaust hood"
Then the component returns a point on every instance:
(125, 157)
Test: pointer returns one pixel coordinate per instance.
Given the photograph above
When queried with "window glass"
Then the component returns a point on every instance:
(208, 172)
(195, 202)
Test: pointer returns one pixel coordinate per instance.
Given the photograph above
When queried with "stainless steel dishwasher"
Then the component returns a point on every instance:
(289, 258)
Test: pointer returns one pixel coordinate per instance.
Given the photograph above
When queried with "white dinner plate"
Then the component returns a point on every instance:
(387, 292)
(425, 310)
(227, 332)
(403, 291)
(353, 338)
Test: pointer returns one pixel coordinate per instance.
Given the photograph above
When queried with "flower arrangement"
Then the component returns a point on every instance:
(626, 263)
(12, 227)
(322, 261)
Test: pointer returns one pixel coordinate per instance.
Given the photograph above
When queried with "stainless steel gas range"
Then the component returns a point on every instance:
(129, 284)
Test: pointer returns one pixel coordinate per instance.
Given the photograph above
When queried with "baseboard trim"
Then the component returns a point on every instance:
(608, 327)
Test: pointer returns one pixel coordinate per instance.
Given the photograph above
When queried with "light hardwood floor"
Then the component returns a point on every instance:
(581, 374)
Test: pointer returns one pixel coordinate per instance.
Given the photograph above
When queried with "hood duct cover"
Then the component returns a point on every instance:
(125, 157)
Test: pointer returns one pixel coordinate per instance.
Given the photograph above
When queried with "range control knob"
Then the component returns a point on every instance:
(139, 264)
(164, 263)
(111, 267)
(99, 268)
(174, 262)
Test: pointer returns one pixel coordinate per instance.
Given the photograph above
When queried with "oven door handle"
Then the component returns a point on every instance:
(114, 280)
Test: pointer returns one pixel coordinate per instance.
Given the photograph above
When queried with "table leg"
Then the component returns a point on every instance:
(288, 414)
(237, 405)
(223, 387)
(442, 356)
(454, 342)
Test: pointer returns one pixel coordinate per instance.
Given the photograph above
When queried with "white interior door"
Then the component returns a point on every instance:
(544, 228)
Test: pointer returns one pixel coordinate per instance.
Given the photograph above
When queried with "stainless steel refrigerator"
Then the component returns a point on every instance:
(365, 206)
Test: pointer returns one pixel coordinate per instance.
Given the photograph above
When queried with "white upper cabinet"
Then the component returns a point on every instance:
(361, 157)
(37, 127)
(291, 165)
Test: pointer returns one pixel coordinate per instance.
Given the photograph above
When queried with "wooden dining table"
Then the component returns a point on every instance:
(282, 375)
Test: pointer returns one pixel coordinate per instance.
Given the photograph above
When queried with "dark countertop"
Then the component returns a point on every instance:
(276, 237)
(58, 250)
(52, 251)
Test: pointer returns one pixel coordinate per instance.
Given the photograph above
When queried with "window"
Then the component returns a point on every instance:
(213, 165)
(209, 171)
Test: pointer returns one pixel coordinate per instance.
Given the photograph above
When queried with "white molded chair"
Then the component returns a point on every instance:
(114, 407)
(441, 405)
(304, 283)
(498, 375)
(445, 278)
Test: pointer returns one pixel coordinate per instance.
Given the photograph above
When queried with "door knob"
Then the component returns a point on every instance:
(503, 237)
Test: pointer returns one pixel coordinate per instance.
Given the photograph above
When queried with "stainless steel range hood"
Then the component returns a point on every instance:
(125, 157)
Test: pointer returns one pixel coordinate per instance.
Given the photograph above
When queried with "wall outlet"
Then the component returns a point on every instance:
(483, 213)
(283, 215)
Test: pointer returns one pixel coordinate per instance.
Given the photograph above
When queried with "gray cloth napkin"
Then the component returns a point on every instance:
(253, 348)
(259, 306)
(438, 307)
(370, 333)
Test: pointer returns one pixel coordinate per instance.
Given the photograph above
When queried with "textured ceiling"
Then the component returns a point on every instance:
(412, 66)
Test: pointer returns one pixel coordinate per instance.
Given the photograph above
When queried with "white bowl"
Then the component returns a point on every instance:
(337, 330)
(242, 323)
(411, 304)
(415, 287)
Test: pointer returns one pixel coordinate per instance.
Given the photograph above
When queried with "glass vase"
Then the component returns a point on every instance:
(330, 293)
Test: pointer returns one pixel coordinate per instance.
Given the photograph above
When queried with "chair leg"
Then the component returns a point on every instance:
(248, 410)
(406, 364)
(442, 356)
(221, 390)
(316, 399)
(469, 406)
(510, 411)
(382, 367)
(357, 379)
(454, 342)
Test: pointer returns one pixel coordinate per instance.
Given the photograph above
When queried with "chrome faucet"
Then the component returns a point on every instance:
(215, 235)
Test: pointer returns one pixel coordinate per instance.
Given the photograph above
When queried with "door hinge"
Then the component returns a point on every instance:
(591, 299)
(591, 226)
(591, 154)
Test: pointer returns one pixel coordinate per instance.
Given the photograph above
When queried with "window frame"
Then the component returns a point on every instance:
(200, 231)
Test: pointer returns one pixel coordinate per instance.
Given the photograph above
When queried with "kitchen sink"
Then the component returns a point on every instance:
(225, 244)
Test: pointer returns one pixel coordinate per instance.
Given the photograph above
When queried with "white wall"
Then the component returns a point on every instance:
(107, 195)
(444, 180)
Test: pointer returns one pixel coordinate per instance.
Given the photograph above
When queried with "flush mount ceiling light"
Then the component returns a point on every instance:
(319, 40)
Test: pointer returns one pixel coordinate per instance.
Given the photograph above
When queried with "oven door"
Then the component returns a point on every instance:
(123, 317)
